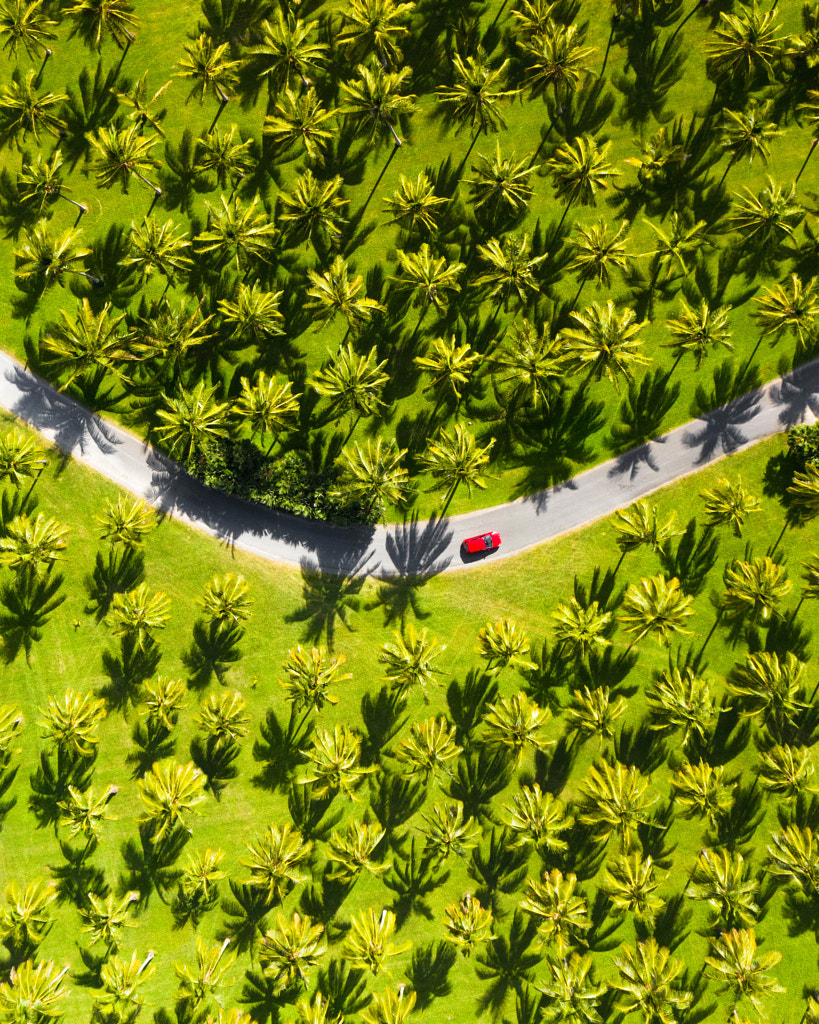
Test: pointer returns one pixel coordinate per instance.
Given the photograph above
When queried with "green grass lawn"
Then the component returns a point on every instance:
(628, 107)
(179, 561)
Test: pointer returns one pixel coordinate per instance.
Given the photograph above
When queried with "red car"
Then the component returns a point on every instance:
(481, 544)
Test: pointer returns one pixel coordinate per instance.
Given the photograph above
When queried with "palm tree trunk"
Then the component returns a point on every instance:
(354, 423)
(466, 155)
(779, 538)
(48, 53)
(543, 139)
(728, 167)
(124, 53)
(747, 366)
(566, 209)
(378, 181)
(614, 21)
(796, 609)
(450, 495)
(583, 281)
(674, 366)
(34, 480)
(711, 632)
(686, 19)
(223, 102)
(500, 11)
(805, 163)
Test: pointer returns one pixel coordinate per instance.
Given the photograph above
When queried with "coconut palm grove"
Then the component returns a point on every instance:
(391, 261)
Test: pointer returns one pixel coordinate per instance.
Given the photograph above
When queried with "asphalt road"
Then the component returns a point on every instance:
(414, 548)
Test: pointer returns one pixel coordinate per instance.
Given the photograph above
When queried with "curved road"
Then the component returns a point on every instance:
(414, 548)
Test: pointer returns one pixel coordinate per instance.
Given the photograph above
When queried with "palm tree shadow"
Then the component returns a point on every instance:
(121, 571)
(330, 598)
(643, 411)
(214, 649)
(417, 555)
(27, 605)
(428, 972)
(657, 68)
(692, 559)
(127, 670)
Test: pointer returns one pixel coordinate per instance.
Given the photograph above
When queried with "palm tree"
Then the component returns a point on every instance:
(770, 687)
(166, 698)
(722, 879)
(85, 812)
(33, 993)
(593, 712)
(141, 104)
(274, 862)
(414, 201)
(532, 18)
(446, 831)
(291, 951)
(476, 95)
(207, 68)
(793, 308)
(430, 278)
(196, 987)
(539, 818)
(285, 49)
(596, 252)
(581, 631)
(268, 407)
(314, 207)
(26, 919)
(71, 724)
(24, 110)
(747, 134)
(615, 799)
(504, 643)
(122, 153)
(428, 747)
(531, 365)
(501, 184)
(579, 170)
(810, 591)
(681, 701)
(237, 234)
(44, 260)
(165, 337)
(729, 503)
(40, 183)
(571, 992)
(26, 23)
(20, 458)
(335, 766)
(374, 102)
(223, 720)
(353, 383)
(368, 944)
(136, 615)
(640, 526)
(764, 221)
(785, 769)
(373, 476)
(657, 606)
(158, 248)
(126, 522)
(409, 659)
(676, 247)
(310, 674)
(740, 970)
(300, 119)
(86, 343)
(511, 267)
(698, 330)
(31, 546)
(794, 857)
(372, 26)
(745, 46)
(229, 159)
(335, 291)
(119, 1001)
(94, 20)
(253, 313)
(226, 600)
(391, 1008)
(803, 495)
(811, 109)
(105, 918)
(631, 887)
(192, 419)
(352, 852)
(562, 913)
(516, 724)
(646, 983)
(450, 367)
(754, 588)
(454, 459)
(556, 58)
(467, 924)
(169, 793)
(702, 791)
(606, 341)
